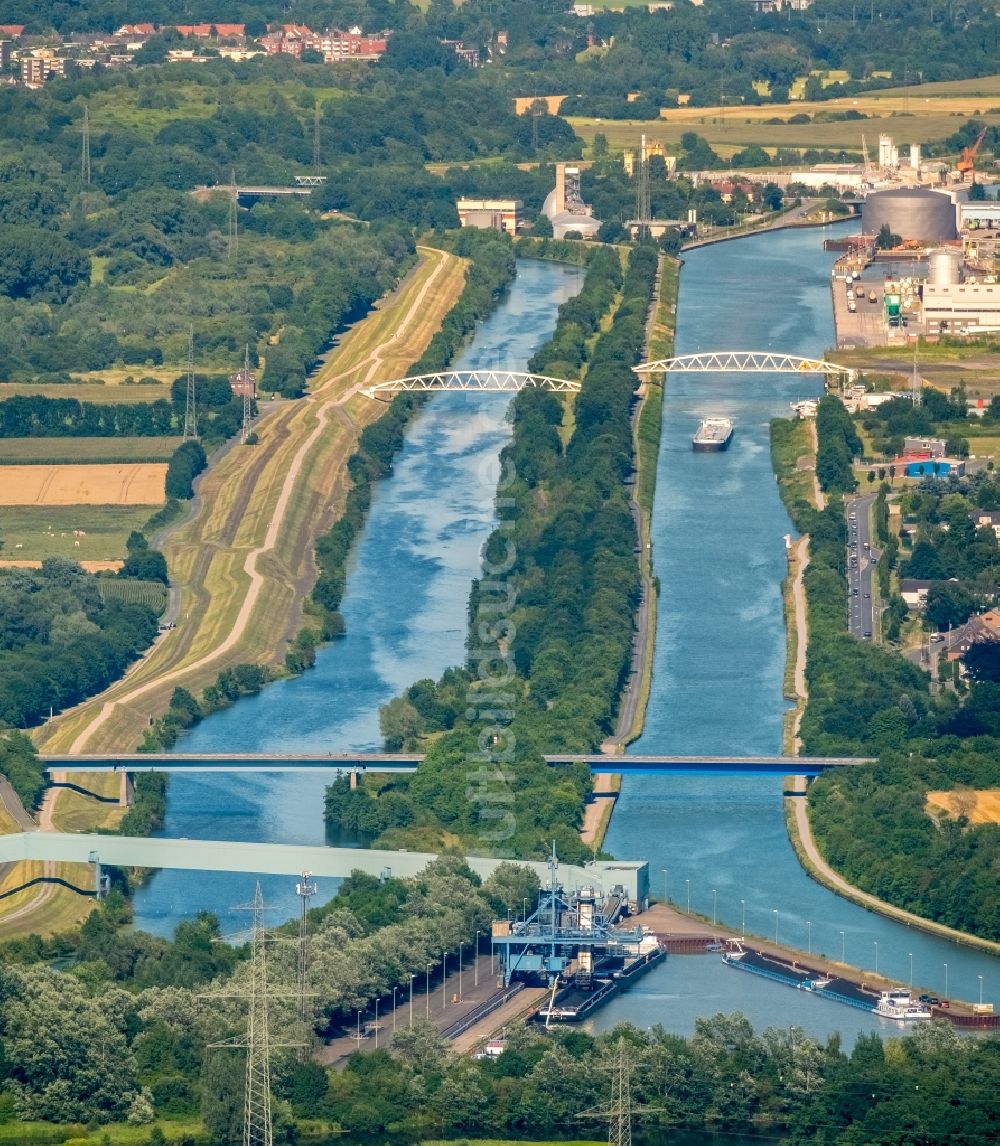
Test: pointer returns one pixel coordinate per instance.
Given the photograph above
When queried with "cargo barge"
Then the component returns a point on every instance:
(584, 993)
(713, 434)
(577, 943)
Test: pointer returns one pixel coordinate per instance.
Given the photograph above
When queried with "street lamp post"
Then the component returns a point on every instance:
(688, 882)
(475, 962)
(359, 1030)
(524, 913)
(666, 897)
(980, 978)
(843, 948)
(910, 953)
(743, 923)
(444, 979)
(376, 1024)
(412, 977)
(461, 947)
(809, 936)
(714, 906)
(946, 980)
(875, 941)
(427, 989)
(394, 990)
(775, 910)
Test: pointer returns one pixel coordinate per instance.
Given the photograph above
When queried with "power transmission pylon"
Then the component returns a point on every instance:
(316, 119)
(304, 889)
(620, 1112)
(190, 409)
(642, 194)
(245, 433)
(233, 224)
(85, 148)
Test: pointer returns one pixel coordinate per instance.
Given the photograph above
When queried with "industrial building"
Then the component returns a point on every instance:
(913, 213)
(491, 214)
(565, 208)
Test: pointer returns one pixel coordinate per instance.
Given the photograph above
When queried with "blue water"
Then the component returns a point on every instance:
(405, 608)
(718, 548)
(719, 553)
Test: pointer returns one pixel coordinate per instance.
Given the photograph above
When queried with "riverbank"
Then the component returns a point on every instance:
(244, 560)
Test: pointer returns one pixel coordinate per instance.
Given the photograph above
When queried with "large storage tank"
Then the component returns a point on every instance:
(944, 267)
(911, 212)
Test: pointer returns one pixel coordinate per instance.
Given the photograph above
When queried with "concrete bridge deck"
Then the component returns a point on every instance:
(409, 762)
(289, 859)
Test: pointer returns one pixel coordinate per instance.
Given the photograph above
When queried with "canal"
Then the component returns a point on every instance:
(720, 845)
(405, 607)
(719, 554)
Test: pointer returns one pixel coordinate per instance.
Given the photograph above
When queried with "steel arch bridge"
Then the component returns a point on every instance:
(471, 382)
(743, 362)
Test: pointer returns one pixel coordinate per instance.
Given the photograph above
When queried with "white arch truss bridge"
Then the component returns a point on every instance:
(471, 382)
(743, 362)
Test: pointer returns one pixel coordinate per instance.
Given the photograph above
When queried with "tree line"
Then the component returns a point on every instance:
(873, 824)
(571, 584)
(60, 642)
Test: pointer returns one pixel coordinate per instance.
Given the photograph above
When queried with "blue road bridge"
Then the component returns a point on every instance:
(358, 762)
(743, 362)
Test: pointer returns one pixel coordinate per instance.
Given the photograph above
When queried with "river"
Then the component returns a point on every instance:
(718, 526)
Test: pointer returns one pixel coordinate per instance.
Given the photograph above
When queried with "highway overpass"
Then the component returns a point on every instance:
(657, 765)
(289, 859)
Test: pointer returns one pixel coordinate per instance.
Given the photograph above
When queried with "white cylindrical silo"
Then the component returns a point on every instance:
(944, 267)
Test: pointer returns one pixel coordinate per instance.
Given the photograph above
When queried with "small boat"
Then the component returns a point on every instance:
(713, 434)
(900, 1005)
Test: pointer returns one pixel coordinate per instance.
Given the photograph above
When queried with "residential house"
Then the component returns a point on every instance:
(914, 591)
(924, 447)
(987, 517)
(984, 628)
(243, 382)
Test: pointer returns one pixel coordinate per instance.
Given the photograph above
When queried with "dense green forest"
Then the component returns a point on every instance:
(60, 641)
(872, 824)
(551, 620)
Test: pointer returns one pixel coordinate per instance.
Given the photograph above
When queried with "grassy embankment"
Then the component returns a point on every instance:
(921, 113)
(791, 439)
(244, 560)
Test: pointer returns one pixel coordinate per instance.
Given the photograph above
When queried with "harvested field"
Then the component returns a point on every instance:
(137, 484)
(31, 533)
(978, 807)
(85, 391)
(58, 451)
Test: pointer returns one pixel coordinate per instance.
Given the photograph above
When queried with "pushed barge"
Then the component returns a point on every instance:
(893, 1004)
(713, 434)
(578, 944)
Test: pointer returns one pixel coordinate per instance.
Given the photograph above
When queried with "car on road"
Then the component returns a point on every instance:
(868, 634)
(868, 596)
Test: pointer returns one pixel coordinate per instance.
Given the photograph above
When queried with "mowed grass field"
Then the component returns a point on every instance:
(918, 114)
(979, 807)
(40, 451)
(34, 532)
(88, 391)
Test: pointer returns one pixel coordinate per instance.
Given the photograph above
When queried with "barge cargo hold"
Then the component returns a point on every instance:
(830, 987)
(583, 995)
(713, 434)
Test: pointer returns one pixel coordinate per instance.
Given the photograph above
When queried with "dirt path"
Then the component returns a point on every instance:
(819, 495)
(826, 875)
(801, 636)
(370, 364)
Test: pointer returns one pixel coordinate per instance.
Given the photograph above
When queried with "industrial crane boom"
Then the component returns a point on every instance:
(967, 163)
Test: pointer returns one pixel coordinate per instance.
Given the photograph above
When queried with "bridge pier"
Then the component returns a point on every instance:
(126, 790)
(354, 778)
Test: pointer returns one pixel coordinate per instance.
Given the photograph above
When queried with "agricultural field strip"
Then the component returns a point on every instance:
(59, 451)
(194, 654)
(129, 483)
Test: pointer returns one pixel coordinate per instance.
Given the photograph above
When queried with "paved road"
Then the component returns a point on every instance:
(861, 561)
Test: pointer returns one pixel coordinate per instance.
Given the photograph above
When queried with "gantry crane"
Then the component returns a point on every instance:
(966, 166)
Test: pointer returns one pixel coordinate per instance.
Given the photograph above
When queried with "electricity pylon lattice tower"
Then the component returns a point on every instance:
(642, 192)
(85, 148)
(245, 432)
(620, 1111)
(233, 224)
(190, 408)
(258, 1129)
(305, 889)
